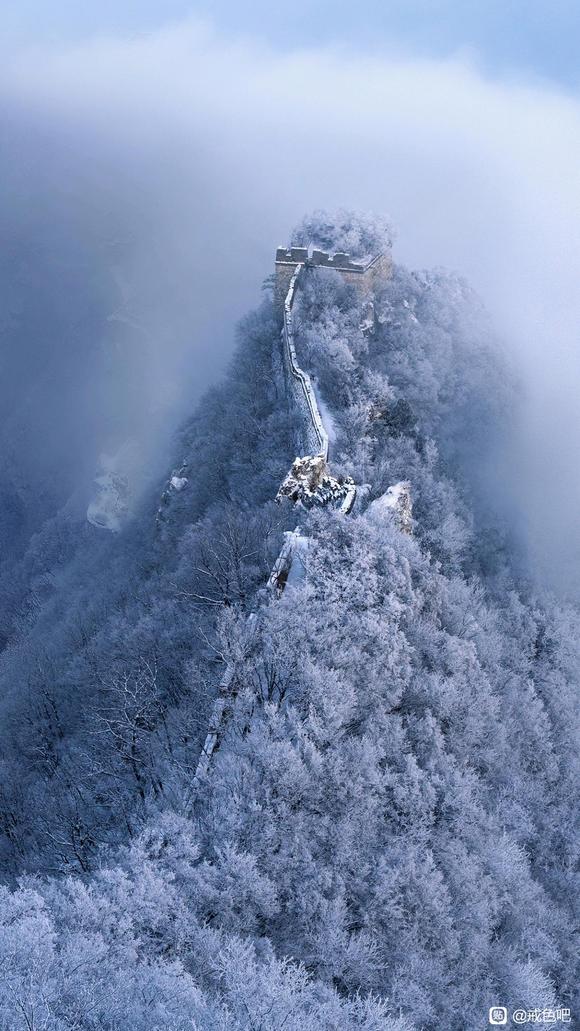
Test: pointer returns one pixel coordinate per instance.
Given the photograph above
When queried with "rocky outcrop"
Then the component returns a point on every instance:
(115, 490)
(395, 503)
(309, 483)
(176, 483)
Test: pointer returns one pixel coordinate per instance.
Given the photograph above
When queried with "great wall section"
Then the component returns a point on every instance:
(363, 275)
(309, 481)
(298, 381)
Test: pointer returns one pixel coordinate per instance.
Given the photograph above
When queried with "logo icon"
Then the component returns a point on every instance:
(498, 1015)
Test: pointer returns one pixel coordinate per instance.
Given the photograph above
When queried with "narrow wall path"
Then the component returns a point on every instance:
(316, 440)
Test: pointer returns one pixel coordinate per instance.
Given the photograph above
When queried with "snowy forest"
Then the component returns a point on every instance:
(383, 836)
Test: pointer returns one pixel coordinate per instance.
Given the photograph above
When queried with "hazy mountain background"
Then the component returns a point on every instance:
(127, 155)
(386, 837)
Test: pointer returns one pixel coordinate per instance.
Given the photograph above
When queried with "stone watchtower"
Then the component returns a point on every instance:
(362, 274)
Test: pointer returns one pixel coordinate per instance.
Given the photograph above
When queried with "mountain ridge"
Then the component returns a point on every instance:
(380, 842)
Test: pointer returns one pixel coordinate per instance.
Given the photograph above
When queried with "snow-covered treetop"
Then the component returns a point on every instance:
(361, 234)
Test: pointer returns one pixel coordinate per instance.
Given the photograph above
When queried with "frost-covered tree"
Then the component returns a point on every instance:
(384, 837)
(360, 234)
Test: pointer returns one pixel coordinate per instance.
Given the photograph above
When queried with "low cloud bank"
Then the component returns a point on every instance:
(149, 181)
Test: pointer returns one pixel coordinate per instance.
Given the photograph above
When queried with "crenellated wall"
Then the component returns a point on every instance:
(363, 275)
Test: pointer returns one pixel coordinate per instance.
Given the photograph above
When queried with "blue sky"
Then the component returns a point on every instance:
(536, 38)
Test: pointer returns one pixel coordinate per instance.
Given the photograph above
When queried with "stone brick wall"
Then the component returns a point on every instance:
(364, 276)
(313, 438)
(284, 273)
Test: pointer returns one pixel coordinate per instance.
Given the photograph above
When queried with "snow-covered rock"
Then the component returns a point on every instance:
(309, 483)
(289, 566)
(178, 482)
(367, 323)
(115, 489)
(396, 501)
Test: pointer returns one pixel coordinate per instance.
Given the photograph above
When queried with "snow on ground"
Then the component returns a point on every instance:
(325, 413)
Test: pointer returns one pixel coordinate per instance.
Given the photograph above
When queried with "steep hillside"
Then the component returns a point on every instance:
(378, 838)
